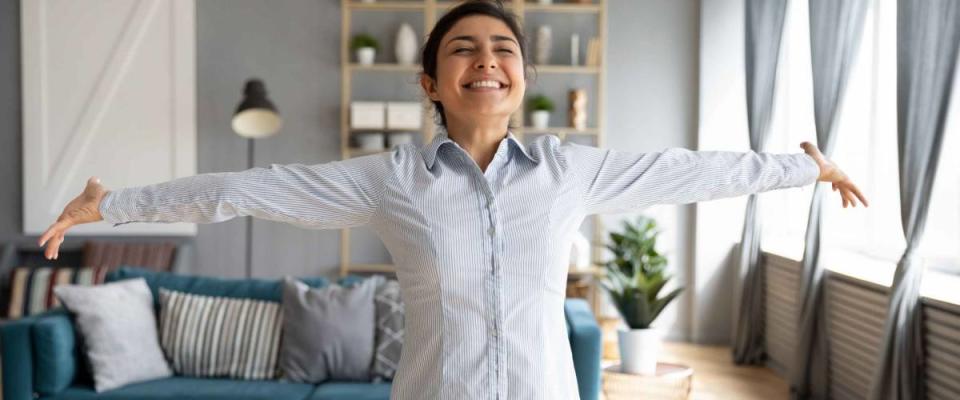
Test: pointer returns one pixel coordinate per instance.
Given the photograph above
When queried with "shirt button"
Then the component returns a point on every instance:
(491, 231)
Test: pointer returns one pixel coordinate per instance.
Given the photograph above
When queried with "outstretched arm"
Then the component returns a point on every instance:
(618, 181)
(324, 196)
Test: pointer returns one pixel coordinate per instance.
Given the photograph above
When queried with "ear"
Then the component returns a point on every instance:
(429, 87)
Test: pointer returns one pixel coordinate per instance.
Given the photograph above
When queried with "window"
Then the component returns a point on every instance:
(866, 149)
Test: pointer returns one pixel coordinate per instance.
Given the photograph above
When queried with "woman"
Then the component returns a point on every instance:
(477, 224)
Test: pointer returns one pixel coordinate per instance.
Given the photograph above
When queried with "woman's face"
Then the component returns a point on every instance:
(475, 53)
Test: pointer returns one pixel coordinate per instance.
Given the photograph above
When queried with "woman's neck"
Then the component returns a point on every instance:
(479, 138)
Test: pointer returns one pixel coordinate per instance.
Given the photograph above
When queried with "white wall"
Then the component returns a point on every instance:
(651, 102)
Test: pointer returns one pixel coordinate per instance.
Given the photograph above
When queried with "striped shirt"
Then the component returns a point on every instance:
(481, 256)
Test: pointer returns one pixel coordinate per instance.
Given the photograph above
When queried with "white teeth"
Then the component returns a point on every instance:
(485, 84)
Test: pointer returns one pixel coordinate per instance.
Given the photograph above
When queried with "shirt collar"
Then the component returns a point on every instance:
(440, 138)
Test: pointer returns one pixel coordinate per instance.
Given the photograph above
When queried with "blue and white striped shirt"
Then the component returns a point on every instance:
(481, 256)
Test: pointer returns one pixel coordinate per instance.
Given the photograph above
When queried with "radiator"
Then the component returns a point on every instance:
(781, 310)
(855, 318)
(941, 338)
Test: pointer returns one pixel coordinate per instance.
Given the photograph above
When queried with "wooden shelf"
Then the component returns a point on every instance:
(567, 69)
(388, 5)
(563, 8)
(529, 130)
(592, 271)
(388, 67)
(373, 268)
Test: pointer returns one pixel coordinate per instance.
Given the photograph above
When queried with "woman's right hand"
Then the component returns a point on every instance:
(83, 209)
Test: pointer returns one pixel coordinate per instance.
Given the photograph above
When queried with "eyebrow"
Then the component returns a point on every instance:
(493, 38)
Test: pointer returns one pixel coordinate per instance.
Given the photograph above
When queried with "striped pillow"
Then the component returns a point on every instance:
(206, 336)
(31, 288)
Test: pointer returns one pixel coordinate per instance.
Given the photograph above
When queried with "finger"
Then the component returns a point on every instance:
(52, 251)
(847, 194)
(859, 194)
(58, 228)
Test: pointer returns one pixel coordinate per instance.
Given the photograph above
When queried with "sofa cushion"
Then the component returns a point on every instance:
(257, 289)
(183, 388)
(119, 327)
(327, 332)
(207, 336)
(54, 349)
(352, 391)
(31, 288)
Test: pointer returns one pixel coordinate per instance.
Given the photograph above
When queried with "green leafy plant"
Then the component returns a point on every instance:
(364, 40)
(636, 275)
(541, 103)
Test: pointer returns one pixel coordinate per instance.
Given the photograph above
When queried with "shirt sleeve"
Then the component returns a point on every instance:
(332, 195)
(617, 181)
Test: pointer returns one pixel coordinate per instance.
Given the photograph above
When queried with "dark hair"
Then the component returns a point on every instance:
(492, 8)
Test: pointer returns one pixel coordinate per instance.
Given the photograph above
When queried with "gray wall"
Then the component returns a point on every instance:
(293, 45)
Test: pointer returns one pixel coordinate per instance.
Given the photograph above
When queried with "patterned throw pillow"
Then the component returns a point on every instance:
(31, 289)
(389, 330)
(206, 336)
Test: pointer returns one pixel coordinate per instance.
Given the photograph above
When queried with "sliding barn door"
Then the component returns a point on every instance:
(108, 91)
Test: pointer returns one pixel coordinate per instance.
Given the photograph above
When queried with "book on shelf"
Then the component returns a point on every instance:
(593, 52)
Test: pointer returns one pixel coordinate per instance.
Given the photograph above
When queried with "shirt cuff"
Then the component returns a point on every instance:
(807, 170)
(117, 207)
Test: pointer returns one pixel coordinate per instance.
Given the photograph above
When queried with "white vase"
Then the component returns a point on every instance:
(365, 55)
(639, 349)
(540, 119)
(406, 45)
(544, 42)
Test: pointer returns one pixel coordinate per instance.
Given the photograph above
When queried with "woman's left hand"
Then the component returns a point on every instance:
(829, 172)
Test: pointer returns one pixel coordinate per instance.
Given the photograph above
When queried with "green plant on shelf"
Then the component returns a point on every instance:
(362, 40)
(541, 103)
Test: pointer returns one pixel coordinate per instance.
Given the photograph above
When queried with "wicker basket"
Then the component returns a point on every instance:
(672, 381)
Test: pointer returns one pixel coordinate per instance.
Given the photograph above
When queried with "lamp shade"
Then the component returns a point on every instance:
(256, 116)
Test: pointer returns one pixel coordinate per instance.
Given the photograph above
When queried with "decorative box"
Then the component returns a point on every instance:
(367, 115)
(404, 114)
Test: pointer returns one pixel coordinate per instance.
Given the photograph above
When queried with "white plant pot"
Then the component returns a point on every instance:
(365, 55)
(545, 1)
(540, 119)
(639, 349)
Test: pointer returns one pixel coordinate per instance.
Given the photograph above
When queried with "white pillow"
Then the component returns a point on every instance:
(120, 330)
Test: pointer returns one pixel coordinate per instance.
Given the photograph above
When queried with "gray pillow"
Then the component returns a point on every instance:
(389, 332)
(327, 332)
(118, 325)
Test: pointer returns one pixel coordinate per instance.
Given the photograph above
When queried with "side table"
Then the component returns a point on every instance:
(671, 381)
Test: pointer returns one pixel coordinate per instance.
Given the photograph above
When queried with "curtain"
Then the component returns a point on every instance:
(835, 31)
(764, 30)
(928, 34)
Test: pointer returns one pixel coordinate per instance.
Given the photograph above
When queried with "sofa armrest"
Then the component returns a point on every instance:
(585, 344)
(16, 354)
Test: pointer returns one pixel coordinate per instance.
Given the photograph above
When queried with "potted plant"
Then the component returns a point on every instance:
(542, 106)
(365, 47)
(635, 278)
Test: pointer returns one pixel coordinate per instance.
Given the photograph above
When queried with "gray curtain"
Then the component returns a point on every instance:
(764, 30)
(835, 31)
(928, 34)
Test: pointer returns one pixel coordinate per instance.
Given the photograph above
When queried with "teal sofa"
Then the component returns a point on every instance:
(41, 356)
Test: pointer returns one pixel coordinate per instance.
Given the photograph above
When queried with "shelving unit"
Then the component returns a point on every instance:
(431, 10)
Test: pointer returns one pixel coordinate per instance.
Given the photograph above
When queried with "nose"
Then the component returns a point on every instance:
(486, 61)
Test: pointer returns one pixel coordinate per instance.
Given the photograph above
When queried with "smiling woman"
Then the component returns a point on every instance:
(474, 72)
(479, 224)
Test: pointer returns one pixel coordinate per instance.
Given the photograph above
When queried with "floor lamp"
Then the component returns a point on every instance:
(256, 117)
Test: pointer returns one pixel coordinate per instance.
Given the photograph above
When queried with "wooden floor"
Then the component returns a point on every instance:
(716, 377)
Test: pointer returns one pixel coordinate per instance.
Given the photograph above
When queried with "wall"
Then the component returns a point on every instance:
(651, 102)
